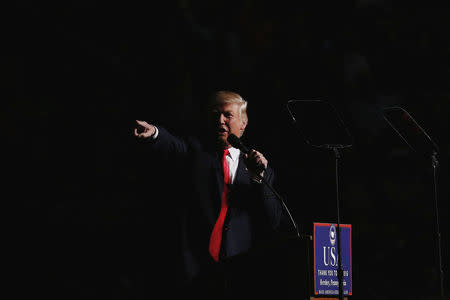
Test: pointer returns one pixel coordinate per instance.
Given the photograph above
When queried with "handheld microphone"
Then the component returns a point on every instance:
(237, 143)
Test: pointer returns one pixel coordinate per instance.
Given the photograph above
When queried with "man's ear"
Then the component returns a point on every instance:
(243, 125)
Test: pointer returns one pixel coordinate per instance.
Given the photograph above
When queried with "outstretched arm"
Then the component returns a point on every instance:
(160, 139)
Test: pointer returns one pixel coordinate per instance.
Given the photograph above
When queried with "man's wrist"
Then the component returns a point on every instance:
(155, 134)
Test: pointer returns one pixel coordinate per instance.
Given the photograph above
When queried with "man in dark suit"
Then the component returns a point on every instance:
(228, 211)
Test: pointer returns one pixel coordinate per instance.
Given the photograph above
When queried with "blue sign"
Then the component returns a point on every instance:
(326, 259)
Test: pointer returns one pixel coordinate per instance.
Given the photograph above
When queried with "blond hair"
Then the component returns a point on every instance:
(226, 97)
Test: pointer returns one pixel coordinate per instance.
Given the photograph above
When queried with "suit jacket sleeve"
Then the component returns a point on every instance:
(167, 145)
(271, 206)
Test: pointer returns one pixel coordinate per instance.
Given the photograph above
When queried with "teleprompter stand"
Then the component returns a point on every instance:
(421, 143)
(321, 127)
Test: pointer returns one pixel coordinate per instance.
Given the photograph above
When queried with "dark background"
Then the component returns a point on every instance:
(94, 209)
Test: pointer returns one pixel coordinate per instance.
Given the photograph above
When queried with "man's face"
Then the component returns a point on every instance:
(227, 120)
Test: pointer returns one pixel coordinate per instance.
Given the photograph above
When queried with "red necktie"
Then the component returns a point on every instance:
(216, 235)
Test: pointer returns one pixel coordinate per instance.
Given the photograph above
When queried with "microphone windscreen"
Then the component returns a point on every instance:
(234, 141)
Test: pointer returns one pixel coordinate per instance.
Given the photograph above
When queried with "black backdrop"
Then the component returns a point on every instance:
(94, 211)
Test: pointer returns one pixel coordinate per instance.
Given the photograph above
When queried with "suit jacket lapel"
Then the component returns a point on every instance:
(215, 182)
(241, 172)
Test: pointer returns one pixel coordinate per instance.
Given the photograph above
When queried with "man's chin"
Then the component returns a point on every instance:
(222, 138)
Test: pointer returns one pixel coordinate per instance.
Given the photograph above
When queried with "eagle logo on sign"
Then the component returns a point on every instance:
(332, 235)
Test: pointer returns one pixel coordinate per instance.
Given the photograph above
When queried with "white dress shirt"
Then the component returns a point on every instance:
(232, 159)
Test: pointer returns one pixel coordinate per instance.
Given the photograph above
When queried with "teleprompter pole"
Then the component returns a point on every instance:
(339, 270)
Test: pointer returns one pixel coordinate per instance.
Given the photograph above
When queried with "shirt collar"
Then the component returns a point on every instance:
(234, 153)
